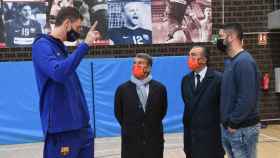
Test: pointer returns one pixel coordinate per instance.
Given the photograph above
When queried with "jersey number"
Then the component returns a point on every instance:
(25, 32)
(137, 40)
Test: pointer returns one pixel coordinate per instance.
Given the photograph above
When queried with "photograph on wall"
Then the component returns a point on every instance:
(130, 22)
(2, 31)
(181, 21)
(23, 21)
(91, 10)
(98, 11)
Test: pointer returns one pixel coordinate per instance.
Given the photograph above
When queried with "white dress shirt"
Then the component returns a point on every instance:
(202, 74)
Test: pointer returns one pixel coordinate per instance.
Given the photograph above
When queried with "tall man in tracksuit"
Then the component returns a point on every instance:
(63, 108)
(239, 96)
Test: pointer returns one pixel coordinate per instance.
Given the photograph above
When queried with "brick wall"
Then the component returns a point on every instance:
(252, 14)
(266, 57)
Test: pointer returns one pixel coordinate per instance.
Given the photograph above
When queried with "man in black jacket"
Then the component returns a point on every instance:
(140, 106)
(201, 94)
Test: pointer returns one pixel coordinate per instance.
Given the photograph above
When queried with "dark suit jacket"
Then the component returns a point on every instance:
(142, 132)
(202, 136)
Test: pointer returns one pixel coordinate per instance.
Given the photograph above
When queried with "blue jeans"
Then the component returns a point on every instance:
(242, 143)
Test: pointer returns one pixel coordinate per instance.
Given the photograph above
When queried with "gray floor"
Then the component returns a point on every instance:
(104, 148)
(268, 147)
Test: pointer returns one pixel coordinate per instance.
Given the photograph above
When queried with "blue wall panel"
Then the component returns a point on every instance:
(19, 109)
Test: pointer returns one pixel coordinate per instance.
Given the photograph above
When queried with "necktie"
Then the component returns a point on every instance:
(197, 80)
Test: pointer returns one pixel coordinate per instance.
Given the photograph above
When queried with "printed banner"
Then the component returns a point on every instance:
(120, 22)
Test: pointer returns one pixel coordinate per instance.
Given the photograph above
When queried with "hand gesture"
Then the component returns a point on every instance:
(92, 35)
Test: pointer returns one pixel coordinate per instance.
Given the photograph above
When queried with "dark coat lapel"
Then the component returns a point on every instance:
(134, 93)
(152, 90)
(191, 87)
(201, 89)
(192, 84)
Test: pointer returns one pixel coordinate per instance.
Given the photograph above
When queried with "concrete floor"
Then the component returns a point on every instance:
(269, 146)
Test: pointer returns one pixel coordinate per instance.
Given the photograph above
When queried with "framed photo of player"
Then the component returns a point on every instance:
(185, 21)
(2, 31)
(94, 10)
(130, 22)
(23, 21)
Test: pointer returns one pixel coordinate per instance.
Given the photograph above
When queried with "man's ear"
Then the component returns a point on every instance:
(67, 24)
(231, 37)
(202, 60)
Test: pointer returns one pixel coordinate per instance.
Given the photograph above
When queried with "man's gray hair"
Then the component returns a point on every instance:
(146, 57)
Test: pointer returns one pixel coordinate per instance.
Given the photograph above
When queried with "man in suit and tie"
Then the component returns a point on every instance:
(140, 106)
(201, 95)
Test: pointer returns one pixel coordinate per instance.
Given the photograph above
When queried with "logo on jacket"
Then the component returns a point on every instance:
(146, 37)
(65, 150)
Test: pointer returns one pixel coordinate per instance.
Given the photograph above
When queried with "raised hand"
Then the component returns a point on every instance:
(92, 35)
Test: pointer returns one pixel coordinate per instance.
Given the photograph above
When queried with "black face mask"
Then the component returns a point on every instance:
(221, 46)
(72, 35)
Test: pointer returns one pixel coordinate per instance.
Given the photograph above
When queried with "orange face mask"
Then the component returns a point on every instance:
(138, 71)
(193, 64)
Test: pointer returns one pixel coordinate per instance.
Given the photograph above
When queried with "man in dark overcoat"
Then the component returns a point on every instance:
(201, 95)
(140, 106)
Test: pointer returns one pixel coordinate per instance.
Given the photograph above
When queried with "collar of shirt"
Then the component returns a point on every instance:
(202, 73)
